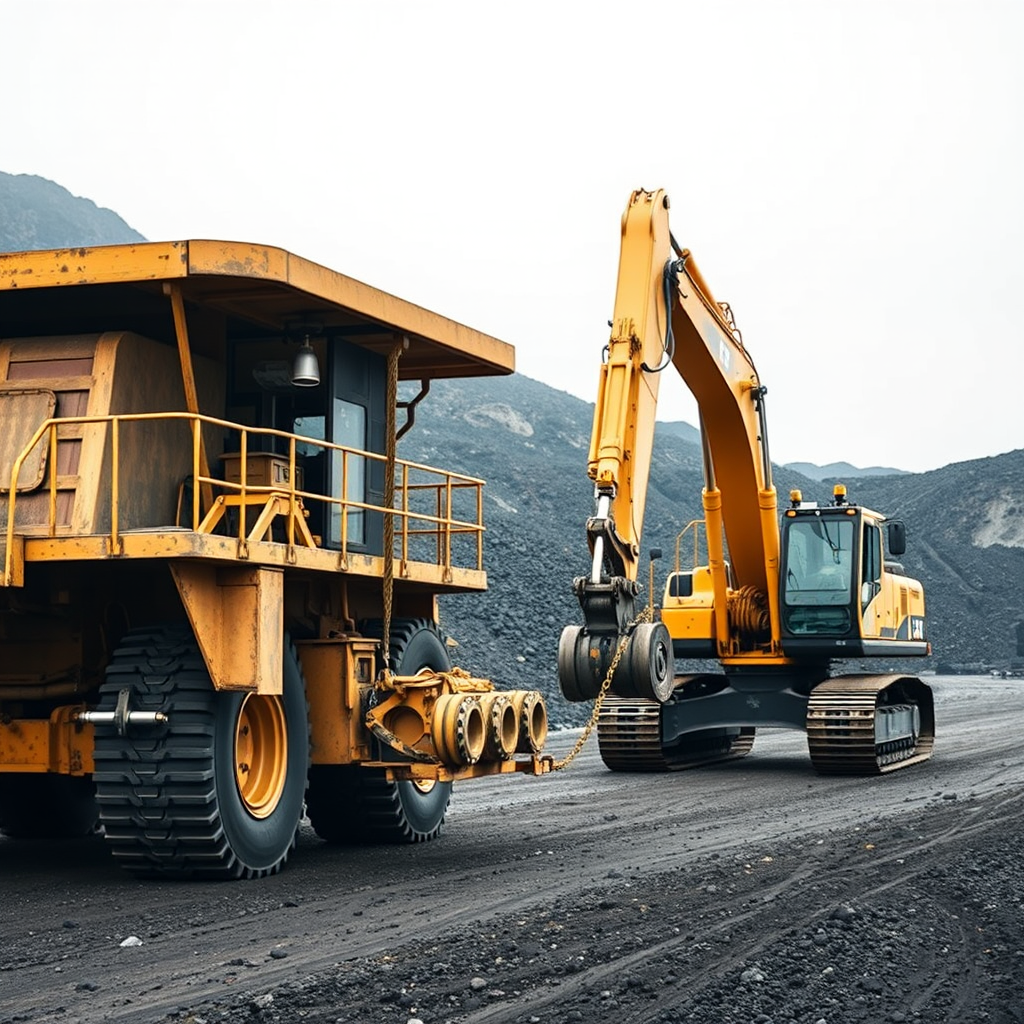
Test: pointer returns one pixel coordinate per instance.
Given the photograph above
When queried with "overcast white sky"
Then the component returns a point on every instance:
(848, 174)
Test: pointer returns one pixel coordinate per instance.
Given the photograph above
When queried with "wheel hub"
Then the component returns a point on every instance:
(261, 753)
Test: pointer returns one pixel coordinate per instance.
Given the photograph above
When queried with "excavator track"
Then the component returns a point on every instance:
(854, 724)
(629, 739)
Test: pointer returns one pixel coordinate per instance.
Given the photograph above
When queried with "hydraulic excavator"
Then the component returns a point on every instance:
(782, 597)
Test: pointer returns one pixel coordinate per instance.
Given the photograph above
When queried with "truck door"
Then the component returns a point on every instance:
(356, 418)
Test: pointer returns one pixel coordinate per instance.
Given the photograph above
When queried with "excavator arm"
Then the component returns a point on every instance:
(665, 316)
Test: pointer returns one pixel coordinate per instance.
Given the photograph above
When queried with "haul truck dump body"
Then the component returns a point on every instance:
(219, 581)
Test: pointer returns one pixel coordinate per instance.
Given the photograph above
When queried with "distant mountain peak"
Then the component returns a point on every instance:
(36, 213)
(835, 470)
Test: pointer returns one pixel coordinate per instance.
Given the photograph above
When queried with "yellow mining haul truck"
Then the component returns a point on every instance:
(218, 603)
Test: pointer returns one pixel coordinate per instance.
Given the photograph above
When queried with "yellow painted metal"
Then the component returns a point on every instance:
(228, 276)
(532, 714)
(283, 500)
(261, 753)
(268, 508)
(14, 559)
(236, 613)
(691, 618)
(693, 525)
(536, 764)
(188, 378)
(182, 544)
(58, 744)
(710, 357)
(740, 505)
(339, 674)
(445, 722)
(622, 436)
(133, 429)
(457, 729)
(115, 264)
(501, 725)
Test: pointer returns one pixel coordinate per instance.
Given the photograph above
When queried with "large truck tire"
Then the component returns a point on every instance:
(348, 804)
(217, 790)
(46, 806)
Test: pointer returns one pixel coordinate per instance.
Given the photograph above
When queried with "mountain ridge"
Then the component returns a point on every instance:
(36, 213)
(836, 470)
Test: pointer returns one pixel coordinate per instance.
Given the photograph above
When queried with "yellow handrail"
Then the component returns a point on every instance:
(441, 524)
(695, 525)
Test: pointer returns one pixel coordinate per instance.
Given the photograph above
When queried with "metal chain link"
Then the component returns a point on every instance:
(644, 616)
(389, 504)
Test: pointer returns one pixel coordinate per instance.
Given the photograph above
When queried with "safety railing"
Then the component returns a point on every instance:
(436, 512)
(694, 525)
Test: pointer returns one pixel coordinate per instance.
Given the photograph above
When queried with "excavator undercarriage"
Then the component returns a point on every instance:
(855, 725)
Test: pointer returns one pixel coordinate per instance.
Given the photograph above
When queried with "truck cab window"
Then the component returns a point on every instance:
(349, 471)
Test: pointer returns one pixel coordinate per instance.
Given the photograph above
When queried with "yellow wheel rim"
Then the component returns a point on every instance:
(424, 785)
(261, 753)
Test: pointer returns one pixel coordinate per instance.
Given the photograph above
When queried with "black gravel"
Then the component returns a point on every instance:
(923, 925)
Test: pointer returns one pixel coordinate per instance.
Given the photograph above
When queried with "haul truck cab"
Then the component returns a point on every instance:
(218, 593)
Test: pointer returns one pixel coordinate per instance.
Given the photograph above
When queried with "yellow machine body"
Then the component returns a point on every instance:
(774, 598)
(164, 463)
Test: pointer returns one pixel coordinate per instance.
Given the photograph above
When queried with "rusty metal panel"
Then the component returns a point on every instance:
(53, 268)
(21, 412)
(236, 613)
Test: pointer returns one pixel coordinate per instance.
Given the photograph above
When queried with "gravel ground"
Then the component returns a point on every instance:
(919, 922)
(754, 892)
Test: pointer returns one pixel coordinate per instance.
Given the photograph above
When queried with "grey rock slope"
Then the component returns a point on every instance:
(36, 213)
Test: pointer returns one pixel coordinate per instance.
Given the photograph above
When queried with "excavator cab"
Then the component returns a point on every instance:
(839, 597)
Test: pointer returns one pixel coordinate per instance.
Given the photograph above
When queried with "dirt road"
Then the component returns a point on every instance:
(751, 892)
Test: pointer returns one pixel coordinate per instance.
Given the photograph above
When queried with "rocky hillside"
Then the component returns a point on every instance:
(966, 544)
(36, 213)
(965, 526)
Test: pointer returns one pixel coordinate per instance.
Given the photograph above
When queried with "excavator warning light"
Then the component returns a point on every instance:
(795, 497)
(839, 493)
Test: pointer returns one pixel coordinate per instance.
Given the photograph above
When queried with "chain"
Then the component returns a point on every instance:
(389, 504)
(644, 616)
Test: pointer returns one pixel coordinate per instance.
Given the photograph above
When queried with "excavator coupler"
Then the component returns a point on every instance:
(645, 666)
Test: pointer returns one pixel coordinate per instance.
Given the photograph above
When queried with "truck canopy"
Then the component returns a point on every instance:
(233, 290)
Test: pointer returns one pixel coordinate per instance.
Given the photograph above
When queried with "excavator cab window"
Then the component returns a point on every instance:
(818, 577)
(871, 573)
